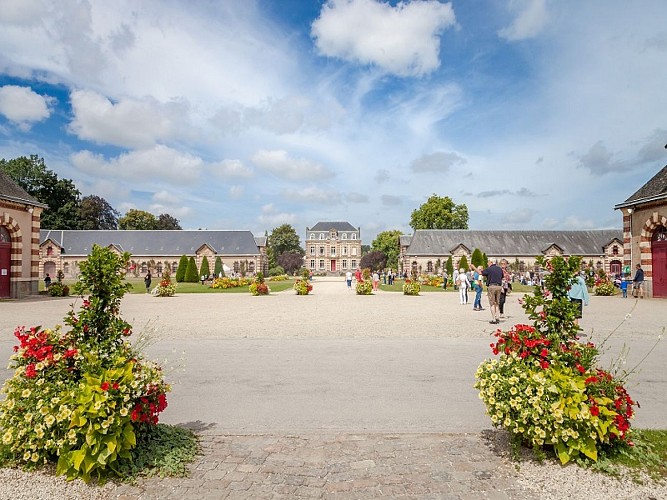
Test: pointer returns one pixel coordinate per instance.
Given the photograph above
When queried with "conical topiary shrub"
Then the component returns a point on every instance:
(182, 267)
(191, 275)
(204, 269)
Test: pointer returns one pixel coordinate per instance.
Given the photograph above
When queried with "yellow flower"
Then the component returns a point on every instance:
(124, 411)
(26, 456)
(50, 419)
(9, 404)
(28, 417)
(7, 437)
(26, 393)
(43, 410)
(35, 457)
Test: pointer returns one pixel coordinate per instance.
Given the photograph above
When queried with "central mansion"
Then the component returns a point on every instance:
(333, 247)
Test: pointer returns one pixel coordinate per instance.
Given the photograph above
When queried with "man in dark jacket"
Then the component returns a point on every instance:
(494, 281)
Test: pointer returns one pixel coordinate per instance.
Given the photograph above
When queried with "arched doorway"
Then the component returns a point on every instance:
(659, 261)
(50, 269)
(615, 267)
(5, 262)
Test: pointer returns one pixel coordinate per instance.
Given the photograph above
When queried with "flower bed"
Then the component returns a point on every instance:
(546, 389)
(604, 288)
(166, 287)
(81, 397)
(411, 287)
(224, 283)
(302, 287)
(258, 286)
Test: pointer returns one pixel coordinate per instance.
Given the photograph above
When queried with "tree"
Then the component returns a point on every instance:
(182, 267)
(374, 260)
(218, 270)
(137, 219)
(388, 243)
(290, 261)
(485, 260)
(61, 195)
(191, 275)
(450, 267)
(96, 213)
(284, 239)
(365, 249)
(463, 263)
(167, 222)
(440, 213)
(476, 258)
(204, 269)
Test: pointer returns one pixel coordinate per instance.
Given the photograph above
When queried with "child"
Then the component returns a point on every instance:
(624, 286)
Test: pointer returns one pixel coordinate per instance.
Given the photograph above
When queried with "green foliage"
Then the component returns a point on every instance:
(96, 213)
(604, 288)
(182, 268)
(364, 287)
(485, 260)
(191, 274)
(218, 270)
(81, 397)
(387, 242)
(411, 287)
(61, 195)
(167, 222)
(463, 263)
(302, 286)
(204, 269)
(450, 267)
(276, 271)
(137, 219)
(58, 289)
(283, 239)
(476, 258)
(546, 389)
(440, 213)
(165, 288)
(258, 285)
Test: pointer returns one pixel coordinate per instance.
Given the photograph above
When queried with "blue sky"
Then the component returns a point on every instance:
(248, 114)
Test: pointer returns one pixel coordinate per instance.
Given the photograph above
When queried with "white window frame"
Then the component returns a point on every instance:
(312, 263)
(322, 264)
(344, 236)
(354, 251)
(344, 262)
(354, 236)
(354, 263)
(312, 250)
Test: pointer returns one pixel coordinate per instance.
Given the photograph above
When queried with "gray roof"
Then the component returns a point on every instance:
(654, 189)
(150, 243)
(338, 226)
(498, 243)
(10, 190)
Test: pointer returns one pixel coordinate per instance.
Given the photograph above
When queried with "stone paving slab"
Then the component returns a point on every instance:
(333, 466)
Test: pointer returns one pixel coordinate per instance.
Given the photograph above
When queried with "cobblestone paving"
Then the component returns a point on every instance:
(340, 466)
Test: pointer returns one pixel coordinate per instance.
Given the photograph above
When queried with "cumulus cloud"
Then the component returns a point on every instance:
(530, 20)
(231, 168)
(179, 211)
(439, 162)
(281, 165)
(270, 216)
(518, 216)
(159, 162)
(403, 40)
(165, 197)
(390, 200)
(599, 160)
(127, 123)
(653, 149)
(315, 195)
(24, 106)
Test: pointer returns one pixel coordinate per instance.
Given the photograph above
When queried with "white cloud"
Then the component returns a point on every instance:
(315, 195)
(231, 168)
(175, 211)
(271, 217)
(518, 216)
(165, 197)
(403, 40)
(128, 123)
(439, 162)
(281, 165)
(531, 17)
(389, 200)
(144, 166)
(23, 106)
(236, 192)
(20, 12)
(599, 160)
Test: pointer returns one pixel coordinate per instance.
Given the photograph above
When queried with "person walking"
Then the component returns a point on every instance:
(445, 277)
(47, 281)
(494, 280)
(638, 282)
(455, 278)
(477, 287)
(462, 283)
(348, 279)
(506, 288)
(578, 294)
(147, 281)
(376, 281)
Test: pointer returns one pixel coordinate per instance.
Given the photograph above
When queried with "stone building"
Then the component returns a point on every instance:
(239, 251)
(332, 247)
(19, 240)
(427, 249)
(645, 233)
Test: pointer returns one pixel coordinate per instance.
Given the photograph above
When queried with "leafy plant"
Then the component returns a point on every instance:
(182, 266)
(166, 287)
(411, 287)
(204, 269)
(604, 288)
(364, 287)
(258, 286)
(191, 274)
(58, 289)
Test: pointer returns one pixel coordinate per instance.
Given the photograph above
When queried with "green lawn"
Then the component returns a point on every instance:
(138, 286)
(398, 287)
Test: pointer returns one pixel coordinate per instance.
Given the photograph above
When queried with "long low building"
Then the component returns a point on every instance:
(239, 251)
(428, 249)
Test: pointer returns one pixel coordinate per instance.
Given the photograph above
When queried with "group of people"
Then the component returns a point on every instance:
(498, 282)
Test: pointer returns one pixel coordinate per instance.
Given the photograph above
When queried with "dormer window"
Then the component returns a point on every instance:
(49, 250)
(321, 236)
(312, 236)
(344, 236)
(614, 250)
(354, 236)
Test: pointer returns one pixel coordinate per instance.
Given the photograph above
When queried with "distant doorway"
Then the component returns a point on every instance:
(333, 266)
(5, 262)
(659, 261)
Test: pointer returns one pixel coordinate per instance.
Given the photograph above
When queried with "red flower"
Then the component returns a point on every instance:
(105, 386)
(595, 411)
(30, 371)
(115, 386)
(544, 353)
(544, 364)
(581, 369)
(592, 380)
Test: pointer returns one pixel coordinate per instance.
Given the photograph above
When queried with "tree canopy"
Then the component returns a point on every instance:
(290, 261)
(440, 213)
(137, 219)
(96, 213)
(387, 242)
(168, 222)
(284, 239)
(374, 260)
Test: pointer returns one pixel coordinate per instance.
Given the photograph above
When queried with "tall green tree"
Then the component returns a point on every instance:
(168, 222)
(61, 195)
(476, 258)
(388, 243)
(485, 260)
(284, 239)
(191, 274)
(182, 267)
(204, 269)
(96, 213)
(137, 219)
(440, 213)
(450, 267)
(463, 263)
(218, 270)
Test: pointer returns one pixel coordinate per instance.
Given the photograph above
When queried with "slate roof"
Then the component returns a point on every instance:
(338, 226)
(654, 189)
(497, 243)
(153, 243)
(11, 191)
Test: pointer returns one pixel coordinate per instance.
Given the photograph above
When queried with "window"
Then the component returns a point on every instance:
(312, 263)
(344, 264)
(321, 250)
(158, 268)
(614, 250)
(354, 236)
(251, 267)
(344, 236)
(49, 250)
(354, 250)
(354, 264)
(236, 266)
(429, 267)
(321, 236)
(312, 236)
(333, 251)
(312, 250)
(321, 264)
(345, 250)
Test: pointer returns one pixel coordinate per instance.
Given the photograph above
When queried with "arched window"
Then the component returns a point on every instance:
(429, 267)
(158, 268)
(614, 250)
(4, 235)
(236, 266)
(344, 236)
(354, 236)
(312, 236)
(251, 267)
(49, 250)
